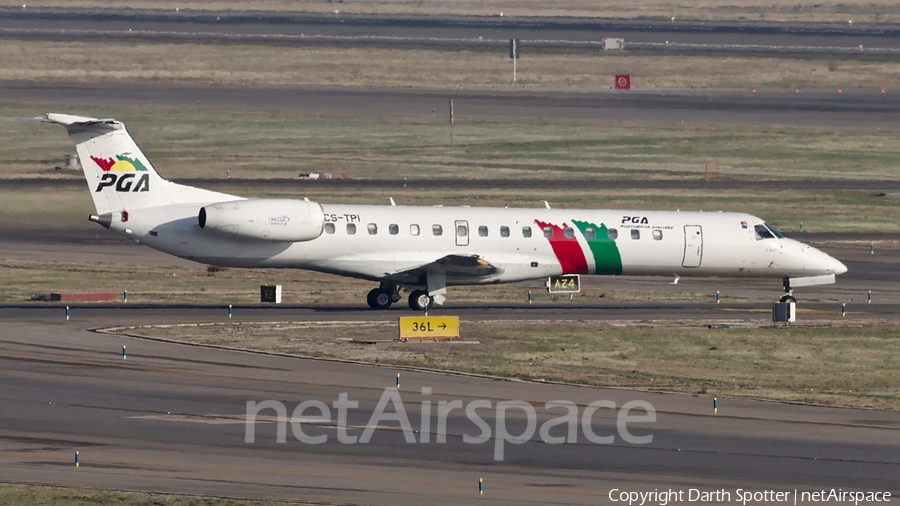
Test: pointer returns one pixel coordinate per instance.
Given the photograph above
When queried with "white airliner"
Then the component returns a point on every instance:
(424, 249)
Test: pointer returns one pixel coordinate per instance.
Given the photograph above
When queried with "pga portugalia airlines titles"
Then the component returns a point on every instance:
(423, 250)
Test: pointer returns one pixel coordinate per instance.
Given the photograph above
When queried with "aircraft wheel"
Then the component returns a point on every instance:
(788, 298)
(379, 299)
(418, 299)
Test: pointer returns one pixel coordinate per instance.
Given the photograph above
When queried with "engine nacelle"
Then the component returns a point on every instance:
(276, 220)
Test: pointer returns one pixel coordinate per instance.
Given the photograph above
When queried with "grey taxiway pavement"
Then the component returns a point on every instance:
(481, 33)
(170, 418)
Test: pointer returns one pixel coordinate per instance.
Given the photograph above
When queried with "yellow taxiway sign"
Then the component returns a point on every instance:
(427, 327)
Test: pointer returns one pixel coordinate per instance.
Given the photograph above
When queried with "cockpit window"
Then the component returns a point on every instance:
(763, 233)
(775, 231)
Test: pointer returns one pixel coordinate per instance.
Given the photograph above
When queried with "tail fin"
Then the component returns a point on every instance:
(118, 174)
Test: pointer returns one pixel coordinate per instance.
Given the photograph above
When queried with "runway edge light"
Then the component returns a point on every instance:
(124, 352)
(715, 405)
(398, 381)
(76, 459)
(480, 486)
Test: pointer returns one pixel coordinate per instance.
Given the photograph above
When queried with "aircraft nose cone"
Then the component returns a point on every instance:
(822, 262)
(831, 264)
(839, 267)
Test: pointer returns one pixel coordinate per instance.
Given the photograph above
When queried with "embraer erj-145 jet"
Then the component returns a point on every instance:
(424, 249)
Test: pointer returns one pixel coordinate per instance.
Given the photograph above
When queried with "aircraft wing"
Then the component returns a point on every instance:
(454, 266)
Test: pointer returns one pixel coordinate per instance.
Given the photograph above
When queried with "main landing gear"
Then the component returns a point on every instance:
(387, 294)
(788, 292)
(383, 296)
(434, 281)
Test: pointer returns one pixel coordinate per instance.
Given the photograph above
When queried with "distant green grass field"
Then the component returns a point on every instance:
(253, 144)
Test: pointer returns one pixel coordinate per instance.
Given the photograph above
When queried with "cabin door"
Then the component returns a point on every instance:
(693, 246)
(462, 232)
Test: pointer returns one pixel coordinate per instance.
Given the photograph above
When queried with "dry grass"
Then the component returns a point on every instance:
(328, 66)
(871, 11)
(36, 495)
(831, 363)
(20, 279)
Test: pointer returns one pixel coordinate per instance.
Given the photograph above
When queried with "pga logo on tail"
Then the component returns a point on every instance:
(121, 172)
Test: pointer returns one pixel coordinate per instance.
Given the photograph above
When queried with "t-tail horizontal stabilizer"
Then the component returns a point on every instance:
(118, 174)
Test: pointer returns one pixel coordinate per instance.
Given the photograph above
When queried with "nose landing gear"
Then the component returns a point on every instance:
(788, 291)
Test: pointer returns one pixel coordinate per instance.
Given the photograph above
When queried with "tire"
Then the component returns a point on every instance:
(418, 299)
(379, 299)
(788, 298)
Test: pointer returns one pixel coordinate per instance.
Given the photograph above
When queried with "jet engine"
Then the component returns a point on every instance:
(276, 220)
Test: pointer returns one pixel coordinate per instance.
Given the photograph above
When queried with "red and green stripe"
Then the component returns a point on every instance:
(607, 259)
(571, 256)
(566, 249)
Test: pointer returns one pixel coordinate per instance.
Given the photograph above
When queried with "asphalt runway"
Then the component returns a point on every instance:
(471, 32)
(857, 109)
(169, 418)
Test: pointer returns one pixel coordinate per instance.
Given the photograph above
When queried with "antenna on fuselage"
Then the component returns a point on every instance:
(546, 204)
(392, 201)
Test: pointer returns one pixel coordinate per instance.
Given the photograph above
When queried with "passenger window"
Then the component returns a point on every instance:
(437, 230)
(526, 231)
(393, 229)
(329, 228)
(763, 233)
(372, 228)
(612, 233)
(351, 228)
(657, 235)
(548, 232)
(482, 231)
(590, 233)
(635, 234)
(504, 231)
(413, 229)
(569, 232)
(462, 230)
